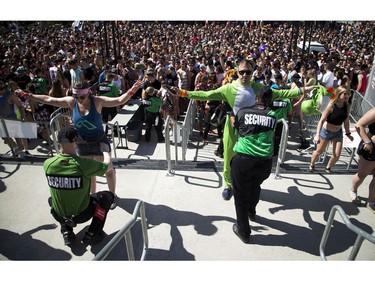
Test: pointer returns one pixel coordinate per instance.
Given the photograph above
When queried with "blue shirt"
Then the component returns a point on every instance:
(90, 125)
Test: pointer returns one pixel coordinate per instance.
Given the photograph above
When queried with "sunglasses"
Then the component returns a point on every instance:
(80, 97)
(247, 72)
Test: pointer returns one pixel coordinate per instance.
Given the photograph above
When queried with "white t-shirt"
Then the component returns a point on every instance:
(328, 78)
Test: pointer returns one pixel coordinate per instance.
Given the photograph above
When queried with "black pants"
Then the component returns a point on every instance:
(106, 112)
(102, 199)
(208, 125)
(247, 174)
(150, 118)
(278, 133)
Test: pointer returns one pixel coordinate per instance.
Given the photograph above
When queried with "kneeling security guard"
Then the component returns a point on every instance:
(69, 180)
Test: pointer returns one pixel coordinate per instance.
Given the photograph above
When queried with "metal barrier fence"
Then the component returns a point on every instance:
(283, 146)
(125, 232)
(59, 118)
(362, 235)
(360, 105)
(181, 131)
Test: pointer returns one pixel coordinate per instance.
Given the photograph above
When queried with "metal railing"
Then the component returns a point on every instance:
(61, 117)
(361, 234)
(183, 130)
(187, 127)
(125, 233)
(283, 146)
(168, 146)
(360, 105)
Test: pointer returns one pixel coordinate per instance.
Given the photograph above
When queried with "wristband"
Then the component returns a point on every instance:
(130, 93)
(183, 93)
(367, 142)
(348, 134)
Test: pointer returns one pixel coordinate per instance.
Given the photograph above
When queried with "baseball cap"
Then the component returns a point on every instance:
(67, 135)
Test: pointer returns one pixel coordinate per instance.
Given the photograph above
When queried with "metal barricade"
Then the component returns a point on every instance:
(59, 118)
(283, 146)
(187, 127)
(125, 232)
(362, 235)
(360, 105)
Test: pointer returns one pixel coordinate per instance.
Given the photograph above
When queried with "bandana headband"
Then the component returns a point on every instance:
(81, 91)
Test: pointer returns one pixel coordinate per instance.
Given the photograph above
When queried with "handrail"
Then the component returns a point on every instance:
(168, 146)
(283, 145)
(55, 125)
(187, 127)
(125, 232)
(358, 242)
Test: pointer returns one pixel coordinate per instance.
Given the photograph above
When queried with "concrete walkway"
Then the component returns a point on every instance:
(187, 218)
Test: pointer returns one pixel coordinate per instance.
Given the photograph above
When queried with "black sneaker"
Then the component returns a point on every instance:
(93, 238)
(245, 239)
(218, 154)
(69, 237)
(227, 193)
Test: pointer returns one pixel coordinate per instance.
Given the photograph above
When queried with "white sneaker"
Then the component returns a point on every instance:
(21, 154)
(354, 197)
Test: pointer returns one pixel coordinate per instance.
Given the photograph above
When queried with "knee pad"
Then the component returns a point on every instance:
(100, 213)
(104, 199)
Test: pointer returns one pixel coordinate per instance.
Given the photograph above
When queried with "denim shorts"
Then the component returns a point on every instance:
(84, 148)
(327, 135)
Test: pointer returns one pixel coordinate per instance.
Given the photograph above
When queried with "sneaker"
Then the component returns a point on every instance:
(245, 239)
(27, 153)
(21, 154)
(227, 193)
(93, 238)
(371, 207)
(218, 154)
(252, 216)
(354, 197)
(69, 237)
(114, 203)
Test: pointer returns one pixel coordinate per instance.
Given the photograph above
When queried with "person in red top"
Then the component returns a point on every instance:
(362, 79)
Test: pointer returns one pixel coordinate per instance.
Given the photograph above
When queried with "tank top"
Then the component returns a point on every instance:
(338, 115)
(90, 125)
(6, 109)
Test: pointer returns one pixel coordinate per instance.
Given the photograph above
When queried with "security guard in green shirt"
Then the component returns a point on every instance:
(153, 116)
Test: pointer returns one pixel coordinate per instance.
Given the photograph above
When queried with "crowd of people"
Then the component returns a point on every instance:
(221, 65)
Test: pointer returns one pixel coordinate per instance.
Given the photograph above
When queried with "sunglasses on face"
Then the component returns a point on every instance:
(243, 72)
(80, 97)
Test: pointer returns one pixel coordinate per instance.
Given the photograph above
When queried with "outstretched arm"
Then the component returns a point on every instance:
(111, 102)
(64, 102)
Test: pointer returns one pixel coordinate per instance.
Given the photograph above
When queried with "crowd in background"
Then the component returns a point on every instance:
(49, 57)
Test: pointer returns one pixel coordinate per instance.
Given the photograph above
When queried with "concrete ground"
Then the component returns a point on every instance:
(187, 218)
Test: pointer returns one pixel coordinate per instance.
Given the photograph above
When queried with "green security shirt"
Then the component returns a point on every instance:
(282, 108)
(69, 181)
(155, 105)
(108, 90)
(256, 130)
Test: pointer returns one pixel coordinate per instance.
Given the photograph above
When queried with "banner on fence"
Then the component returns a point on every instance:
(18, 129)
